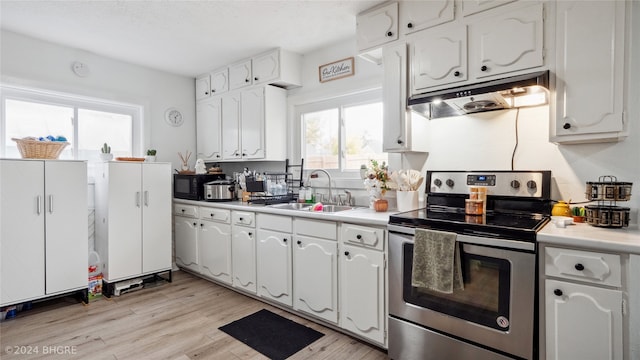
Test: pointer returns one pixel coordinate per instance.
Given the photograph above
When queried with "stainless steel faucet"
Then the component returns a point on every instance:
(311, 172)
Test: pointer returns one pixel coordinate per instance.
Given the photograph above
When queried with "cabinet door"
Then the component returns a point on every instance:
(438, 58)
(394, 97)
(506, 43)
(220, 82)
(186, 235)
(66, 236)
(156, 222)
(418, 15)
(252, 123)
(243, 254)
(590, 71)
(203, 87)
(274, 266)
(470, 7)
(209, 126)
(582, 322)
(21, 230)
(240, 75)
(377, 26)
(214, 248)
(231, 126)
(362, 308)
(315, 284)
(124, 220)
(266, 67)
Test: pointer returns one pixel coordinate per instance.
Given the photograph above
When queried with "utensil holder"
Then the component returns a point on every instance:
(407, 200)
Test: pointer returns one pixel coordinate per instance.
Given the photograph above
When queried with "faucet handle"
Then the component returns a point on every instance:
(340, 198)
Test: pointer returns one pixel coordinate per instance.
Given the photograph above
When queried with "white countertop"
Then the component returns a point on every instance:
(363, 216)
(622, 240)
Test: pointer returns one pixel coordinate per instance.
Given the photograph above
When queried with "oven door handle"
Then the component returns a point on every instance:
(478, 240)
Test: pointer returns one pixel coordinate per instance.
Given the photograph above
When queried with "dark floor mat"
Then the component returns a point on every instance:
(272, 335)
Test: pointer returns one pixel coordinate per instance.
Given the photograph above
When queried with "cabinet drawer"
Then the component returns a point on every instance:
(243, 218)
(319, 229)
(275, 222)
(185, 210)
(220, 215)
(362, 235)
(592, 267)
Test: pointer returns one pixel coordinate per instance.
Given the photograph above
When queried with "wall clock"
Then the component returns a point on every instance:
(173, 117)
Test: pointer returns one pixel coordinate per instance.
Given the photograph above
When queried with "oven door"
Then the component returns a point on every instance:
(496, 308)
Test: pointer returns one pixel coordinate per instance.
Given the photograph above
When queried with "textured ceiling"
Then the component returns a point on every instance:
(184, 37)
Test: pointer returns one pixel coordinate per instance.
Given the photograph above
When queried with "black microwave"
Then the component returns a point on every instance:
(191, 187)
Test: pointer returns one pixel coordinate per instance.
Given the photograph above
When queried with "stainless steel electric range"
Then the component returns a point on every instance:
(496, 216)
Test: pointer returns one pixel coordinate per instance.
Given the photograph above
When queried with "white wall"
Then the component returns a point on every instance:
(34, 63)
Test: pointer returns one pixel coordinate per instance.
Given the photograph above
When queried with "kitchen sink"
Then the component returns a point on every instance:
(307, 207)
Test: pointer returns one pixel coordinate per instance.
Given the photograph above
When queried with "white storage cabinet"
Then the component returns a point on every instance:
(133, 219)
(43, 229)
(214, 244)
(362, 280)
(274, 259)
(315, 268)
(583, 304)
(243, 250)
(209, 129)
(185, 221)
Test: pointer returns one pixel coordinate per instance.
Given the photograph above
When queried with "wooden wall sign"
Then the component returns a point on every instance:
(336, 70)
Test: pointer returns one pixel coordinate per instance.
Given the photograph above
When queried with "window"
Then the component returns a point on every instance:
(343, 133)
(86, 123)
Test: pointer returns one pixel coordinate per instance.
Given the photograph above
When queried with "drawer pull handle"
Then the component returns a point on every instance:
(299, 242)
(579, 267)
(346, 253)
(359, 237)
(557, 292)
(182, 210)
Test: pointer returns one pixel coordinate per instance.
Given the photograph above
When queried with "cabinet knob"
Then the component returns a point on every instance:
(255, 78)
(566, 126)
(389, 34)
(201, 225)
(206, 93)
(483, 68)
(218, 155)
(284, 240)
(250, 233)
(557, 292)
(240, 219)
(244, 154)
(400, 142)
(213, 90)
(346, 253)
(410, 25)
(211, 214)
(358, 236)
(194, 224)
(579, 267)
(299, 242)
(456, 74)
(246, 80)
(182, 210)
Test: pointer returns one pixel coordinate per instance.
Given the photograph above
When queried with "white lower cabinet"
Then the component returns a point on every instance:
(274, 258)
(43, 228)
(186, 242)
(582, 312)
(315, 269)
(214, 248)
(243, 251)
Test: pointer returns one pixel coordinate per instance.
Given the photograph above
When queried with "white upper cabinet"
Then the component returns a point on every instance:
(418, 15)
(470, 7)
(507, 42)
(203, 87)
(231, 126)
(240, 75)
(439, 58)
(220, 81)
(266, 67)
(377, 26)
(590, 52)
(209, 115)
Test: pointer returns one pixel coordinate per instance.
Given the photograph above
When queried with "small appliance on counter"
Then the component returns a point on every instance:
(191, 186)
(220, 190)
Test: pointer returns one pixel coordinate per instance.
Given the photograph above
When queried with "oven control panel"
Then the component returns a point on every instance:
(534, 184)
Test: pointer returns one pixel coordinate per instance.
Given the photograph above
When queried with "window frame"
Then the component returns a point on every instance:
(10, 92)
(340, 102)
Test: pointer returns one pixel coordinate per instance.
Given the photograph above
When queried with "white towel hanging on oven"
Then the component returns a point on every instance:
(436, 261)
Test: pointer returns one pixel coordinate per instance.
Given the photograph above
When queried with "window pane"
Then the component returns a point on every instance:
(363, 134)
(320, 143)
(98, 127)
(25, 118)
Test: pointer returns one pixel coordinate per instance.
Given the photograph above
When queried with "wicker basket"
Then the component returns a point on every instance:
(34, 149)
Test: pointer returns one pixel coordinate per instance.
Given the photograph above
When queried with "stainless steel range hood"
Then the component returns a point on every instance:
(506, 93)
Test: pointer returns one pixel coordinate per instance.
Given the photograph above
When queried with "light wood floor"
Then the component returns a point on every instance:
(177, 320)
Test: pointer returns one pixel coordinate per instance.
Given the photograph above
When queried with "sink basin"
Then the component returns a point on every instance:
(335, 208)
(292, 206)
